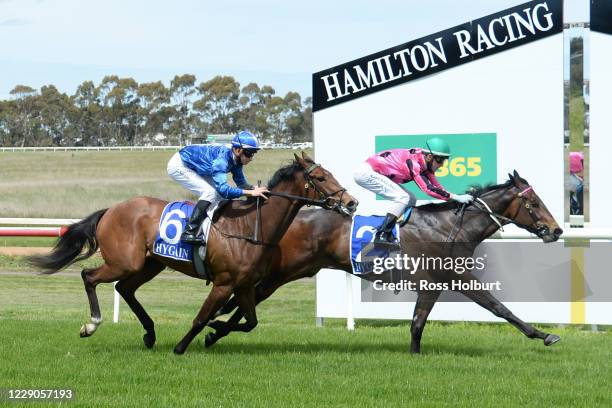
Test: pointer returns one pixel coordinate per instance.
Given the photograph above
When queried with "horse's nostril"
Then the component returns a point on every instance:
(558, 231)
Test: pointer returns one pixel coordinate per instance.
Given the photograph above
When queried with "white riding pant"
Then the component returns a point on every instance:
(377, 183)
(201, 186)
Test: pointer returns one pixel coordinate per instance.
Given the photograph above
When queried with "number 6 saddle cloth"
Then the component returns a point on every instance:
(171, 225)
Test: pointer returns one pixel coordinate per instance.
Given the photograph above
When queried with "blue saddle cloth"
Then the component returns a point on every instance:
(171, 225)
(363, 231)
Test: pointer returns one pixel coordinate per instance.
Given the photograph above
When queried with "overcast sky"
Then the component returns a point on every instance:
(273, 42)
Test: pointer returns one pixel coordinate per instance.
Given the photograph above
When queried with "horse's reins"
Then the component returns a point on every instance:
(324, 203)
(498, 217)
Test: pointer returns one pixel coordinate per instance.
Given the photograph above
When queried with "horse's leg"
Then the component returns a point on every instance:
(127, 287)
(246, 305)
(262, 291)
(91, 278)
(425, 302)
(488, 301)
(222, 329)
(227, 308)
(216, 298)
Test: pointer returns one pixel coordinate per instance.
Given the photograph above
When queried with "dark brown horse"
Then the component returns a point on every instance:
(320, 239)
(125, 234)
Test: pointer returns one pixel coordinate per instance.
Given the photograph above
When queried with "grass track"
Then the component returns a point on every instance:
(286, 360)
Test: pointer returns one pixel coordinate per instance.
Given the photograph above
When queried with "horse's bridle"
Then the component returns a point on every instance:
(541, 230)
(326, 200)
(329, 202)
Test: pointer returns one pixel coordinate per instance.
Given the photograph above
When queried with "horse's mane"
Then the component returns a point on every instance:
(286, 173)
(476, 190)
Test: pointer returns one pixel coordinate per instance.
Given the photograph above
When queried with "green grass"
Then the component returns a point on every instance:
(576, 118)
(75, 184)
(286, 360)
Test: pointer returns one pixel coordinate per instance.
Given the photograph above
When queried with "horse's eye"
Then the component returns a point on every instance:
(321, 179)
(535, 204)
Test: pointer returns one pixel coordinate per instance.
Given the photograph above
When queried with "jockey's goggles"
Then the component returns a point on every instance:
(249, 152)
(440, 159)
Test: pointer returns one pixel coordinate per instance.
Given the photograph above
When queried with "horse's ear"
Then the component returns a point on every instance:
(306, 157)
(510, 177)
(516, 175)
(299, 159)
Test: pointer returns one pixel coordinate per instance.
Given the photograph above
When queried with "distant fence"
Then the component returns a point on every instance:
(87, 148)
(294, 146)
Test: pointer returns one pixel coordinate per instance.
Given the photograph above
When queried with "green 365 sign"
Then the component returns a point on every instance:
(473, 158)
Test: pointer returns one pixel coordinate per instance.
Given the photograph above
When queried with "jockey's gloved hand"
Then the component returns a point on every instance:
(257, 192)
(462, 198)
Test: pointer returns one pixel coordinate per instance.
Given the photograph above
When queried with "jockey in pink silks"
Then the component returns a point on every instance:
(383, 173)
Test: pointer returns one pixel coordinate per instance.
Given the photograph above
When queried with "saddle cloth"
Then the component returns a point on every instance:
(363, 251)
(171, 225)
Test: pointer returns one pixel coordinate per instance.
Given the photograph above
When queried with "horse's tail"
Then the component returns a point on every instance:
(69, 246)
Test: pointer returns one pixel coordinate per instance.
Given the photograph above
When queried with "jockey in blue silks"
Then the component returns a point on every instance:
(203, 169)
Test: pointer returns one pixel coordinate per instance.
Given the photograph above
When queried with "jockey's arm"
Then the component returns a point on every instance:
(228, 192)
(430, 186)
(462, 198)
(240, 179)
(219, 176)
(223, 188)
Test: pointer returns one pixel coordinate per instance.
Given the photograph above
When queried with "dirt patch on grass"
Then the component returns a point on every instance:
(23, 251)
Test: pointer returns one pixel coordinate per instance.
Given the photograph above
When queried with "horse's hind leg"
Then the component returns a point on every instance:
(216, 298)
(127, 288)
(246, 307)
(91, 278)
(424, 304)
(262, 291)
(227, 308)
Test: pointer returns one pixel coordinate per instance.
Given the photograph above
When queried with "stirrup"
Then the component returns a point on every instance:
(192, 239)
(384, 242)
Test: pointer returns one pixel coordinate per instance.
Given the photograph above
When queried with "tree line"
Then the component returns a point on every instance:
(120, 111)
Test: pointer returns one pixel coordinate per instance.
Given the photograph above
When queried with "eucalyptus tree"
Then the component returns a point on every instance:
(26, 119)
(183, 121)
(87, 119)
(55, 112)
(218, 103)
(154, 112)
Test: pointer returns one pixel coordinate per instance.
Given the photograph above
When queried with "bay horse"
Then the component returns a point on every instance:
(321, 239)
(236, 261)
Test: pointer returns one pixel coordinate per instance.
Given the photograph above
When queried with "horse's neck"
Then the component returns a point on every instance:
(324, 237)
(498, 202)
(278, 212)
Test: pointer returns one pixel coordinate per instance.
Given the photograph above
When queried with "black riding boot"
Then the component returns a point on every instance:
(384, 235)
(189, 236)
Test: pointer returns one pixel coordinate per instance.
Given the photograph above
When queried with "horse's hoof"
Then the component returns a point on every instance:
(216, 324)
(551, 339)
(149, 339)
(179, 350)
(209, 340)
(85, 332)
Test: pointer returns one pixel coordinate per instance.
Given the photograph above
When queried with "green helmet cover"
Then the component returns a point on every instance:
(437, 147)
